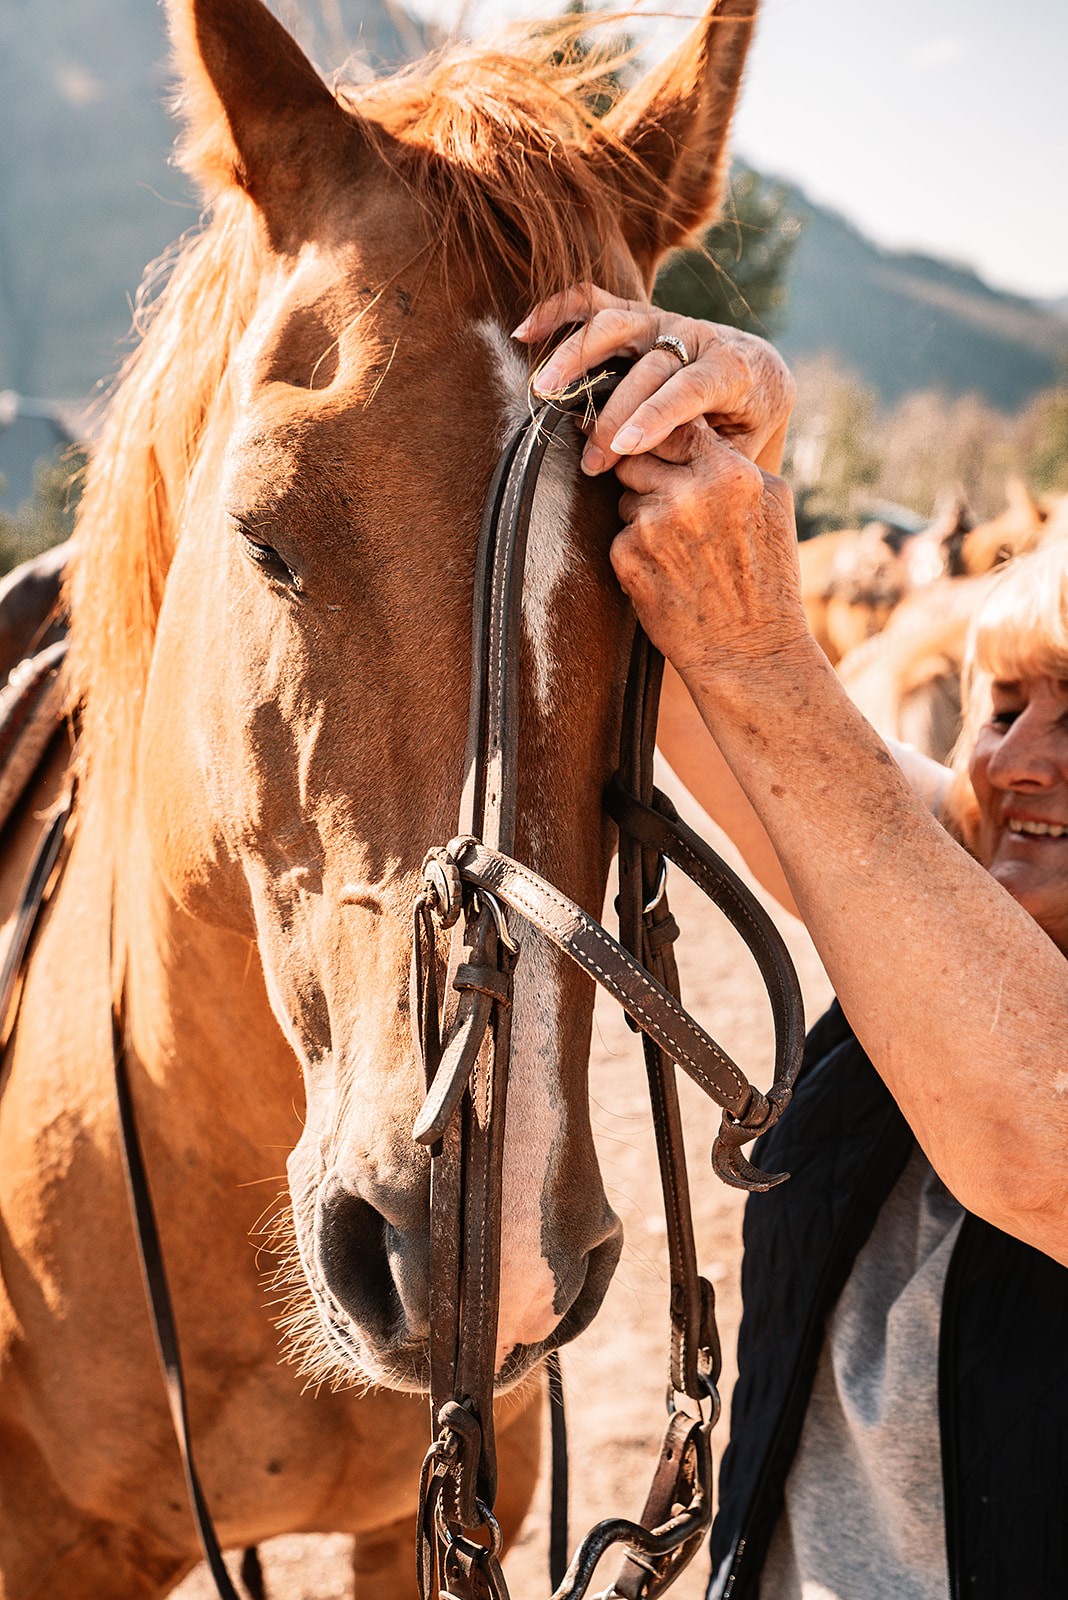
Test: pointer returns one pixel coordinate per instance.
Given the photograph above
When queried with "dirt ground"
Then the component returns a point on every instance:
(615, 1374)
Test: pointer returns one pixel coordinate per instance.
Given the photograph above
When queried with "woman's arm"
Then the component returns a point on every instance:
(693, 755)
(955, 992)
(695, 758)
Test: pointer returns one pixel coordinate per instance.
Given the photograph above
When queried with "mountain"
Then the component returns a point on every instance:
(87, 197)
(903, 321)
(86, 193)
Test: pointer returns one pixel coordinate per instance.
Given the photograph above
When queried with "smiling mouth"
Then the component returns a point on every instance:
(1037, 830)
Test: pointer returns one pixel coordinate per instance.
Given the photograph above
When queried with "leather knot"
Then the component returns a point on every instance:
(485, 980)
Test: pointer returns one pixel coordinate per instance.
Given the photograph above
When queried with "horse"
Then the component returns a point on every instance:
(1014, 531)
(270, 612)
(853, 579)
(906, 678)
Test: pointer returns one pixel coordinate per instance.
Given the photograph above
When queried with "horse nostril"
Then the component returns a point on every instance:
(376, 1274)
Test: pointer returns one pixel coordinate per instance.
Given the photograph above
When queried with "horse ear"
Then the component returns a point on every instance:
(251, 102)
(667, 139)
(1022, 503)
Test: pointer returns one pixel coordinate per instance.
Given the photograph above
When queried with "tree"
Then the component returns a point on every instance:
(48, 518)
(739, 274)
(933, 446)
(609, 60)
(1048, 459)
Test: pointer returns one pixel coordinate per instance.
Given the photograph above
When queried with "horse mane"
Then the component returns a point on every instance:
(492, 144)
(137, 477)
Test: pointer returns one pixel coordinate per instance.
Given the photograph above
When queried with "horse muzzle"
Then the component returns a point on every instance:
(370, 1274)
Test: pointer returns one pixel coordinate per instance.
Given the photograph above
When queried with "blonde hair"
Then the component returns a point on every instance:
(1019, 631)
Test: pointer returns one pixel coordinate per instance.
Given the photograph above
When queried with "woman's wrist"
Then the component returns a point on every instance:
(753, 678)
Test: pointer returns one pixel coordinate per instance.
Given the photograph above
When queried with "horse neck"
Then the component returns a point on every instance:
(200, 1027)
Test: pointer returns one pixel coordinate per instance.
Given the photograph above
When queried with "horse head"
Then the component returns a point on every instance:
(337, 343)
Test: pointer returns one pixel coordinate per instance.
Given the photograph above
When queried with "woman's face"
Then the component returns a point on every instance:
(1019, 771)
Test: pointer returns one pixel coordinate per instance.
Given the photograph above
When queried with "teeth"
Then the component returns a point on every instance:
(1049, 829)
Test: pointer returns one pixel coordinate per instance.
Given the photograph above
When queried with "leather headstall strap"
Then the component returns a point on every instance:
(475, 878)
(32, 720)
(161, 1315)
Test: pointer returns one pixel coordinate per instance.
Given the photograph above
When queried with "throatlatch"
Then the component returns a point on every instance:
(476, 878)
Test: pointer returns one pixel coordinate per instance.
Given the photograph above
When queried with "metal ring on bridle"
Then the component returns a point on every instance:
(443, 885)
(675, 1401)
(670, 341)
(489, 1522)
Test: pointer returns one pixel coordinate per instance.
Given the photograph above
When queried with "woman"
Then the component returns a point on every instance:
(900, 1426)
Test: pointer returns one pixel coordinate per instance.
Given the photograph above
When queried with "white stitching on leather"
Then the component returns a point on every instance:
(538, 885)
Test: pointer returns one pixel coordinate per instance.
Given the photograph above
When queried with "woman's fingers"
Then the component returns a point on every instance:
(655, 399)
(610, 330)
(576, 304)
(734, 380)
(651, 471)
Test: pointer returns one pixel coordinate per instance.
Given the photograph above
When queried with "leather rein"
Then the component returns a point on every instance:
(476, 880)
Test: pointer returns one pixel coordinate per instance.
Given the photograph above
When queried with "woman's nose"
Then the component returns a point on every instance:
(1025, 754)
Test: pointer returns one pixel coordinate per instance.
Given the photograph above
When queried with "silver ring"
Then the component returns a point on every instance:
(669, 341)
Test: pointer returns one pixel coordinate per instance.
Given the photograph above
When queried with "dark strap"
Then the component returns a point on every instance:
(31, 713)
(32, 901)
(165, 1331)
(476, 876)
(658, 826)
(463, 1121)
(153, 1272)
(559, 1490)
(581, 937)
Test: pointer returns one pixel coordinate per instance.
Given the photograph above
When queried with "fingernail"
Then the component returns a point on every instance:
(547, 380)
(522, 330)
(593, 460)
(627, 439)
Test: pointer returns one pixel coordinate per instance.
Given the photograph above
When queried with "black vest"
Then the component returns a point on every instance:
(1003, 1356)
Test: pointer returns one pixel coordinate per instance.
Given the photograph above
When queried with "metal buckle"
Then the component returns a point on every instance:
(658, 894)
(496, 911)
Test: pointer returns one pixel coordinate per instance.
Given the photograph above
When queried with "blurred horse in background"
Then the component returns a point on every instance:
(906, 679)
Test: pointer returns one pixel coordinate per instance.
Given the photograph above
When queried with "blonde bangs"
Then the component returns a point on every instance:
(1019, 631)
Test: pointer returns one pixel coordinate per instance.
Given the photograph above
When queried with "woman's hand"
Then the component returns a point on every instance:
(736, 382)
(708, 557)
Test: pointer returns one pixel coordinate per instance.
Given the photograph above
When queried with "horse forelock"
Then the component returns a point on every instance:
(493, 144)
(137, 479)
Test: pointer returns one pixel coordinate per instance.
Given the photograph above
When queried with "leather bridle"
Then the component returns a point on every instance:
(476, 879)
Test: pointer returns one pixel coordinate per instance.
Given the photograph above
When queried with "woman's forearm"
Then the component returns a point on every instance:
(955, 992)
(694, 757)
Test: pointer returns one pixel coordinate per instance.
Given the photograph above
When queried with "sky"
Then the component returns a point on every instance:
(938, 125)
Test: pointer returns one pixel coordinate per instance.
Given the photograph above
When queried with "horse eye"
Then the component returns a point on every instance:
(268, 560)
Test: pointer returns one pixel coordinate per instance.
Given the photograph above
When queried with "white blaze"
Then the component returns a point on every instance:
(535, 1119)
(535, 1109)
(550, 548)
